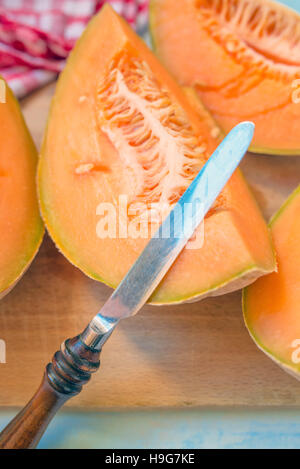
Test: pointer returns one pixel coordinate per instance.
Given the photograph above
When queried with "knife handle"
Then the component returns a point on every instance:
(70, 369)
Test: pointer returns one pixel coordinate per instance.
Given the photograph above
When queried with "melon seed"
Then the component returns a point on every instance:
(84, 168)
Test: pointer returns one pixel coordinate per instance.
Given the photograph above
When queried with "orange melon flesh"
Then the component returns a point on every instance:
(242, 57)
(90, 155)
(21, 228)
(271, 304)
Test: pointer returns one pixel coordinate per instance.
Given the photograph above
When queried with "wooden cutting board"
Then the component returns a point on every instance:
(188, 355)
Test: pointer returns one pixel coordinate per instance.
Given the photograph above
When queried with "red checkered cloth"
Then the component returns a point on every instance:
(36, 36)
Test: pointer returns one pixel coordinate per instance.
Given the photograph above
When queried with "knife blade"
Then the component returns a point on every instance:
(161, 251)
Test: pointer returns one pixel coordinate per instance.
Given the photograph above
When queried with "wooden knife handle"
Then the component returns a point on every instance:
(64, 377)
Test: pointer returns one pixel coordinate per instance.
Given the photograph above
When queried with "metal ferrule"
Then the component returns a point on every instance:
(98, 331)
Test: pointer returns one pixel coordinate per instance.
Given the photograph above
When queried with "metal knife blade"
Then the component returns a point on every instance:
(161, 251)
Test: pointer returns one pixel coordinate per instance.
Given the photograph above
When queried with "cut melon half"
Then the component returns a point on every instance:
(21, 227)
(120, 126)
(272, 304)
(242, 57)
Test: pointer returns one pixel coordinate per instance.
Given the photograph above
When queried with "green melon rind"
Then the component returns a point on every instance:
(273, 151)
(292, 369)
(64, 247)
(253, 148)
(38, 235)
(277, 215)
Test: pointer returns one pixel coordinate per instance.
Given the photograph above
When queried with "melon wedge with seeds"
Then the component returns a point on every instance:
(272, 304)
(126, 128)
(242, 57)
(21, 227)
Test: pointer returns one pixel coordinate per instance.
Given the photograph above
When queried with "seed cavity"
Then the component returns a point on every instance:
(150, 130)
(256, 33)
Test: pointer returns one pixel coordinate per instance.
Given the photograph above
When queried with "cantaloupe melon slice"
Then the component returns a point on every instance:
(120, 125)
(272, 304)
(242, 57)
(21, 228)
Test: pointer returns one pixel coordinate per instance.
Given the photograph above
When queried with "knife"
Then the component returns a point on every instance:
(73, 365)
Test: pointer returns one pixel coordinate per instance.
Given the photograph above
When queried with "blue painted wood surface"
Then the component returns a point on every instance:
(187, 429)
